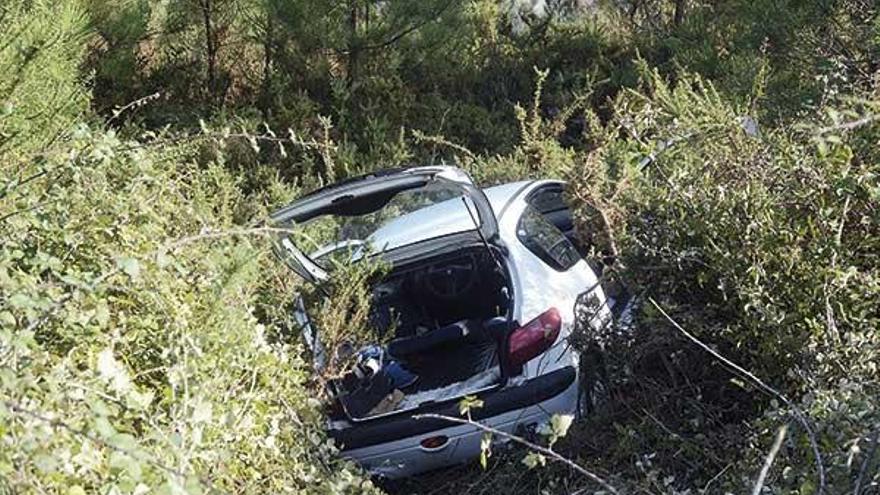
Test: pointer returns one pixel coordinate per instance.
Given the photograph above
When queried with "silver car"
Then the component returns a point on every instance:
(481, 301)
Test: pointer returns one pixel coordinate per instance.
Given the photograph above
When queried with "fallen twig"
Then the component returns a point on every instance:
(848, 126)
(857, 489)
(771, 456)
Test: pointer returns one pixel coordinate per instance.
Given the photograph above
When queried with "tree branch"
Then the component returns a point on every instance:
(780, 436)
(407, 31)
(857, 489)
(522, 441)
(795, 411)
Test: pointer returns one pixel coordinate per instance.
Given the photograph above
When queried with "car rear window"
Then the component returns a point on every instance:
(545, 240)
(405, 218)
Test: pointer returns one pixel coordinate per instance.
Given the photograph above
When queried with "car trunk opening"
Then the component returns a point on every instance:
(445, 321)
(444, 306)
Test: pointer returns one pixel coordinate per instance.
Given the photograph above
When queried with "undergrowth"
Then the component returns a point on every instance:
(721, 159)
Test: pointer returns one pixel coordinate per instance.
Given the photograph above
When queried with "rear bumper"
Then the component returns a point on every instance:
(391, 447)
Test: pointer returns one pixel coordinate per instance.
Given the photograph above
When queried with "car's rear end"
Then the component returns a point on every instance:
(403, 444)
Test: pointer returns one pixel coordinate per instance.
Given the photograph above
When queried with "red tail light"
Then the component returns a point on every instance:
(534, 337)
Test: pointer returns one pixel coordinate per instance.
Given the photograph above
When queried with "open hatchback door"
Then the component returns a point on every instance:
(401, 213)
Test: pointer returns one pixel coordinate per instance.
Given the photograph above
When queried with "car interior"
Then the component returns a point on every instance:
(447, 319)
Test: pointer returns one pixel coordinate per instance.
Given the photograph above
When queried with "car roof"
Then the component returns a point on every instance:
(439, 219)
(499, 195)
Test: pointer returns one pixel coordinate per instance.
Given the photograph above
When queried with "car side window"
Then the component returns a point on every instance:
(548, 200)
(546, 241)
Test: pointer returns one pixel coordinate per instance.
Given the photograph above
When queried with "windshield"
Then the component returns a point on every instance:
(437, 209)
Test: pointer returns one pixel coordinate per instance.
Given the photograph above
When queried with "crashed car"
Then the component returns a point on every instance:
(480, 301)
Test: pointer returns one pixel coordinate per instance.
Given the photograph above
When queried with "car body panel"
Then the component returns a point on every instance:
(495, 402)
(538, 286)
(406, 457)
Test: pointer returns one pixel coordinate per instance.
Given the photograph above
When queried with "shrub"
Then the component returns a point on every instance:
(758, 244)
(131, 357)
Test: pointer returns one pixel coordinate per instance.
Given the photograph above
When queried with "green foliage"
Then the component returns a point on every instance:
(131, 357)
(759, 244)
(340, 311)
(132, 354)
(468, 403)
(40, 46)
(146, 341)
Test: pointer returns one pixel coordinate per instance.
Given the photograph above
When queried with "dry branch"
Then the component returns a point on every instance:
(796, 412)
(522, 441)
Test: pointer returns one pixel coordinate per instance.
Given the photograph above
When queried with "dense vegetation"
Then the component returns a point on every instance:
(144, 342)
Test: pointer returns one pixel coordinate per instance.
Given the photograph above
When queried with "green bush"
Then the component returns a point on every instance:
(761, 246)
(131, 356)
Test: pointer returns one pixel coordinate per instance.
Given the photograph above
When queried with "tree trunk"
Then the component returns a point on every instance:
(210, 45)
(268, 47)
(678, 14)
(353, 44)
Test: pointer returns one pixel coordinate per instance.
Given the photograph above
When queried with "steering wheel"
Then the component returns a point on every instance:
(450, 281)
